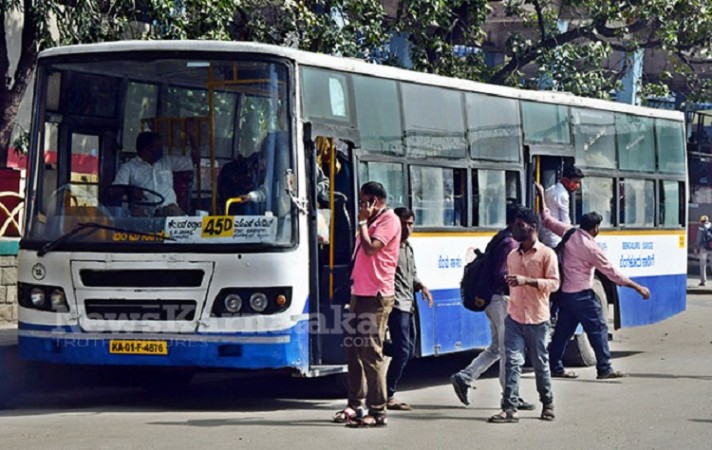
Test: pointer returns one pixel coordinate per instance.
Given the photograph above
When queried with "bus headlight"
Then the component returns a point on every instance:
(258, 302)
(37, 297)
(58, 300)
(233, 303)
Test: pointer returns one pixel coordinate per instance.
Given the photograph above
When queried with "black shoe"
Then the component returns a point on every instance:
(525, 406)
(462, 389)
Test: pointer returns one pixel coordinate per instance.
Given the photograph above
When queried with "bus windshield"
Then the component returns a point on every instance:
(176, 151)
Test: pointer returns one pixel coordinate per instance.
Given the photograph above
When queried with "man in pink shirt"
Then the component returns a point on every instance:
(532, 274)
(577, 303)
(375, 260)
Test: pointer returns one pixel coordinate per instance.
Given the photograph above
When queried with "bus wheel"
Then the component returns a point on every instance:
(579, 352)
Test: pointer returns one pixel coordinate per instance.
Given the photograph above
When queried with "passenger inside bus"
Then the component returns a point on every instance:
(235, 180)
(152, 173)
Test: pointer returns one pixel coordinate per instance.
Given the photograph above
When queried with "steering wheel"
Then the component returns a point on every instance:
(134, 195)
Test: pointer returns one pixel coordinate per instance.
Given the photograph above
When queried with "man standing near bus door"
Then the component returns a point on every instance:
(401, 321)
(704, 238)
(576, 300)
(558, 199)
(532, 274)
(375, 259)
(496, 312)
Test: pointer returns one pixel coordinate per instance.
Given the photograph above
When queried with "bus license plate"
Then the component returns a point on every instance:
(126, 347)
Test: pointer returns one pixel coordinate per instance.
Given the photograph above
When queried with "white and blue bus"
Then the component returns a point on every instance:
(109, 279)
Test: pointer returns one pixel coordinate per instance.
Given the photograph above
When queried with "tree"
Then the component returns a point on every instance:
(447, 37)
(348, 28)
(574, 58)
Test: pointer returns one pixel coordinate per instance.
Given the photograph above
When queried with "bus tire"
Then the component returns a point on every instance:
(579, 352)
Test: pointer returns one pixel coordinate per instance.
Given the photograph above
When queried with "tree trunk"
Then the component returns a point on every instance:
(8, 114)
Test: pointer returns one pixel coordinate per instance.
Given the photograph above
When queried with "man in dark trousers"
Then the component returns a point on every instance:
(576, 301)
(498, 293)
(401, 321)
(375, 260)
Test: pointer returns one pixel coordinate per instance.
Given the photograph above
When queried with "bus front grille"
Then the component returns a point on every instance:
(142, 278)
(156, 310)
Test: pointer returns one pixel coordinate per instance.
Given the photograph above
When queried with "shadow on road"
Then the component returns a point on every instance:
(49, 387)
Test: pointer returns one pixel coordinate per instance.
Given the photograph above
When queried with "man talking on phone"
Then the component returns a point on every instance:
(375, 260)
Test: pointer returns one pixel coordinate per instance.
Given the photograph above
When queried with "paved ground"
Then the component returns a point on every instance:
(665, 403)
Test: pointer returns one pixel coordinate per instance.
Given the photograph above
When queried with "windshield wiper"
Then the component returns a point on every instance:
(93, 226)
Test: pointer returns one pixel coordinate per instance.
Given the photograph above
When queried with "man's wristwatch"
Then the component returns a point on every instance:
(362, 223)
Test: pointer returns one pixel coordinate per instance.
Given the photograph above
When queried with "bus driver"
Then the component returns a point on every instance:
(151, 169)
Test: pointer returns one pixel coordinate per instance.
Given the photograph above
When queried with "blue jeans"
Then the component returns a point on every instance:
(584, 308)
(517, 338)
(402, 328)
(496, 312)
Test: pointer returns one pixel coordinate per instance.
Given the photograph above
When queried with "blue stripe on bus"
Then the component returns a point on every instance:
(668, 297)
(70, 347)
(448, 327)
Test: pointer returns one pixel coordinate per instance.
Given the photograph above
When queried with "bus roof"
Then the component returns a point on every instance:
(353, 65)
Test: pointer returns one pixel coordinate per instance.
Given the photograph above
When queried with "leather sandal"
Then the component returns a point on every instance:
(548, 413)
(504, 417)
(370, 421)
(611, 375)
(565, 374)
(395, 405)
(348, 415)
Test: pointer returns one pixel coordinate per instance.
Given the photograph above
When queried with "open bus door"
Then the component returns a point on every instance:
(332, 213)
(546, 167)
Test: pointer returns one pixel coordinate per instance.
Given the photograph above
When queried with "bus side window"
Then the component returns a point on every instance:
(489, 197)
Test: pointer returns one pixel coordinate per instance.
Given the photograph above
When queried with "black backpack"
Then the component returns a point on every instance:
(707, 237)
(475, 286)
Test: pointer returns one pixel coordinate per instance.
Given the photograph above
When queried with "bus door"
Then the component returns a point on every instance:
(334, 203)
(547, 170)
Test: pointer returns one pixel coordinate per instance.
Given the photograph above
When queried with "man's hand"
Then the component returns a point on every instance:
(643, 291)
(516, 280)
(427, 296)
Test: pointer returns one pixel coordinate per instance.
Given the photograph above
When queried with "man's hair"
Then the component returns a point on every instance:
(527, 216)
(374, 189)
(512, 211)
(572, 172)
(590, 220)
(404, 213)
(145, 139)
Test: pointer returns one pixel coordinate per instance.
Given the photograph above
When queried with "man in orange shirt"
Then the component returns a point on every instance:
(532, 274)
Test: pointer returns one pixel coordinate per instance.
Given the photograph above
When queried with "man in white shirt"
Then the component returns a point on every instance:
(557, 199)
(152, 170)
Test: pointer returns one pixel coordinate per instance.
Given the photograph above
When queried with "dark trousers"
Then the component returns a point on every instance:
(402, 349)
(365, 334)
(584, 308)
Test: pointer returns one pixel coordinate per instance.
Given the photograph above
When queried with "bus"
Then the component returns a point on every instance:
(110, 279)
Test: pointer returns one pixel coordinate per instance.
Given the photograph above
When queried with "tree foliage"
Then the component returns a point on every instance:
(447, 37)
